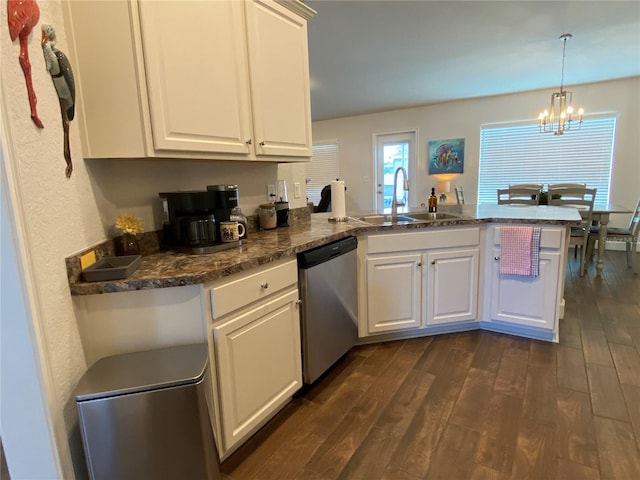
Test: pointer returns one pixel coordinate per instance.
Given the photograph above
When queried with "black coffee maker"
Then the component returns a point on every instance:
(191, 219)
(225, 199)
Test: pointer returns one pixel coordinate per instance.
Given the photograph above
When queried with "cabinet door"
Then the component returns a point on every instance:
(279, 72)
(528, 301)
(259, 364)
(452, 286)
(393, 293)
(196, 67)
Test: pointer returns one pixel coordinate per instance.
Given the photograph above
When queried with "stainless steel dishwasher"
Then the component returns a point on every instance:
(328, 290)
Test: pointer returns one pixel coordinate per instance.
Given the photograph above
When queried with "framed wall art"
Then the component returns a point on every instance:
(446, 156)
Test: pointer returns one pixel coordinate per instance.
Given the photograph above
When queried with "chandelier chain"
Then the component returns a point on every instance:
(564, 48)
(564, 37)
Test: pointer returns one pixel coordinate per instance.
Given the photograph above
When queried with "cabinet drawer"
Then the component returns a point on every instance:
(433, 238)
(549, 237)
(242, 289)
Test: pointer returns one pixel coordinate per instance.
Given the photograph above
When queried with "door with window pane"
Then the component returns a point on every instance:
(393, 151)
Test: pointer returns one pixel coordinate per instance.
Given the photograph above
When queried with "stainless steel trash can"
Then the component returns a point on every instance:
(144, 415)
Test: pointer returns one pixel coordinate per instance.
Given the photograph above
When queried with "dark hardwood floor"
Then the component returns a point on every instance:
(474, 405)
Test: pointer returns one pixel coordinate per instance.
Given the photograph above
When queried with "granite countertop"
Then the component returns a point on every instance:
(173, 269)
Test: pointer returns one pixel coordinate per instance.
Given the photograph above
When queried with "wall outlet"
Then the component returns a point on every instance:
(296, 190)
(271, 191)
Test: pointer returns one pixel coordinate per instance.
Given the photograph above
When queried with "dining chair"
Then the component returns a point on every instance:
(629, 235)
(519, 195)
(559, 186)
(581, 198)
(459, 195)
(535, 186)
(556, 186)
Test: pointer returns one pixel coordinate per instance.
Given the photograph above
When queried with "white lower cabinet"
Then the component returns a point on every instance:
(254, 345)
(394, 286)
(452, 285)
(419, 280)
(448, 279)
(524, 305)
(526, 301)
(258, 362)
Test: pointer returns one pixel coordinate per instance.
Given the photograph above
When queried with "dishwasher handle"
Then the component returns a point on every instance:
(324, 253)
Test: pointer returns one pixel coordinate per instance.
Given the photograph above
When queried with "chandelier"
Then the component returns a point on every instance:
(561, 112)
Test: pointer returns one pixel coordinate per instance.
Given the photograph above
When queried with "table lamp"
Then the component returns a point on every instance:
(444, 187)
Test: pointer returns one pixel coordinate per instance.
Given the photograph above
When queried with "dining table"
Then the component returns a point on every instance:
(600, 214)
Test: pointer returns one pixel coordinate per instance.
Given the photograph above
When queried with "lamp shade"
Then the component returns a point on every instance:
(444, 186)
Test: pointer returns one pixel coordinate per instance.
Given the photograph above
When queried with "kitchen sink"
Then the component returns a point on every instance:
(410, 217)
(432, 216)
(386, 219)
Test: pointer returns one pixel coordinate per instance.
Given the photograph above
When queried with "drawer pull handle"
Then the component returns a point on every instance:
(264, 285)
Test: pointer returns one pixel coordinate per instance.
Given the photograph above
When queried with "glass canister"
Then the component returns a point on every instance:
(238, 216)
(267, 216)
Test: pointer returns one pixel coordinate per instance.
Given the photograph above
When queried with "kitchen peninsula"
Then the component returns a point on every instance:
(414, 279)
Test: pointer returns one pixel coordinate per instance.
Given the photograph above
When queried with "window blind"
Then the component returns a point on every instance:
(517, 153)
(322, 169)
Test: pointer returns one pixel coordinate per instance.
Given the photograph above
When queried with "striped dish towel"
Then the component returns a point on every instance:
(535, 252)
(518, 256)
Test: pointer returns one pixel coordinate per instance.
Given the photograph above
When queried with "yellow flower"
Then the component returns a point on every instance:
(129, 223)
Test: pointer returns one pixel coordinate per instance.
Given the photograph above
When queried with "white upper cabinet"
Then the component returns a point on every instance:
(195, 61)
(279, 72)
(218, 80)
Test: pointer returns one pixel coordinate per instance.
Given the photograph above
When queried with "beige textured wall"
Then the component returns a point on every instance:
(59, 214)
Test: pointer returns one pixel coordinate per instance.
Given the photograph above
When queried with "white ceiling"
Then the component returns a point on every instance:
(368, 56)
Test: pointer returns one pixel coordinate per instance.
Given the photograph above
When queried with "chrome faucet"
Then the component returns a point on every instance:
(395, 204)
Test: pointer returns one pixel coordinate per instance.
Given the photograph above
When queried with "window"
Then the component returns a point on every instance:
(322, 169)
(517, 153)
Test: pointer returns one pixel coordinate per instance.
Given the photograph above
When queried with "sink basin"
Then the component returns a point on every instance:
(386, 219)
(430, 217)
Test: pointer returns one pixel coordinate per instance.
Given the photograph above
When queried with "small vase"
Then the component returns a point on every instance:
(127, 244)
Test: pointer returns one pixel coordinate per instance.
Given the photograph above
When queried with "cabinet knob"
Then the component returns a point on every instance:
(262, 144)
(496, 258)
(419, 264)
(249, 142)
(264, 285)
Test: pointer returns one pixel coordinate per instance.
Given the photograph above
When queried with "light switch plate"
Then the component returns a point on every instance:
(296, 190)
